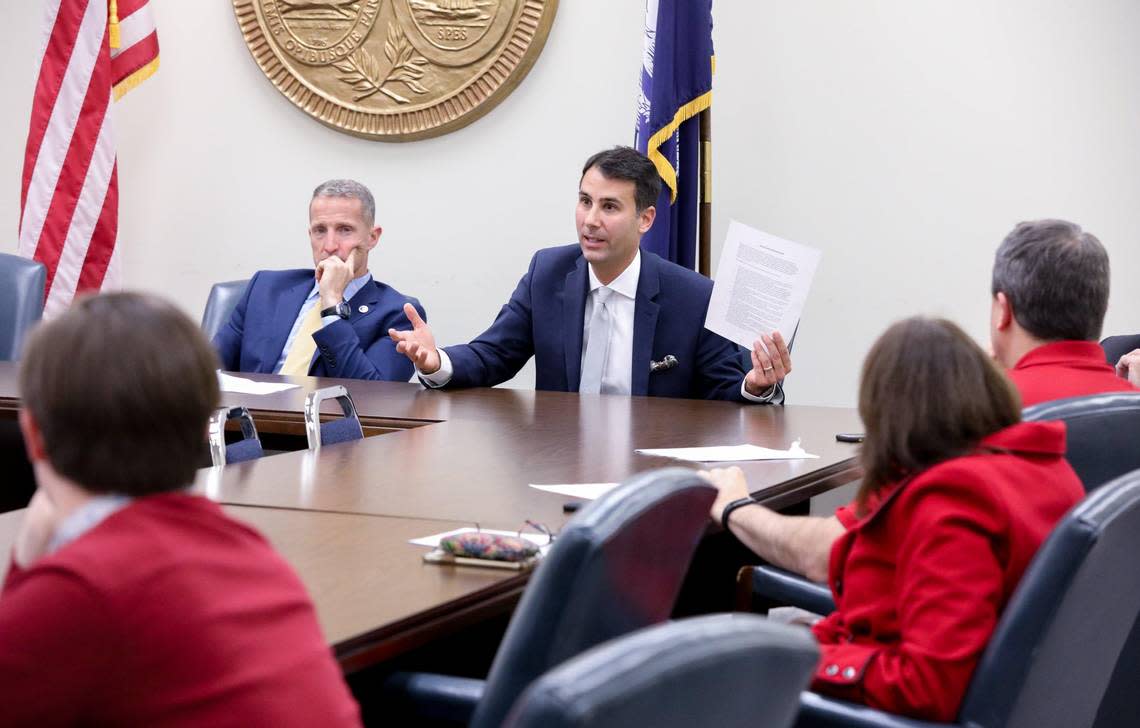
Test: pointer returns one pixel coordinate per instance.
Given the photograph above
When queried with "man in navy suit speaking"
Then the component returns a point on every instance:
(329, 321)
(605, 317)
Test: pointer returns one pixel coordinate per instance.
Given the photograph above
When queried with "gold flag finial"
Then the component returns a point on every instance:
(113, 24)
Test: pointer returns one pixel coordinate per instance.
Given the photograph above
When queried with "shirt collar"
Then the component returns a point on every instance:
(626, 283)
(1069, 351)
(350, 290)
(86, 517)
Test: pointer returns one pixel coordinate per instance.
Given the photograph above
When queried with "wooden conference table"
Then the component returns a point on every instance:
(440, 460)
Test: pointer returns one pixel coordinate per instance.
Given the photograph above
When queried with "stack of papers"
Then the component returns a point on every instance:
(230, 383)
(589, 491)
(730, 453)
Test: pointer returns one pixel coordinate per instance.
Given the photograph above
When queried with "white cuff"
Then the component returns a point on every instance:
(765, 396)
(442, 375)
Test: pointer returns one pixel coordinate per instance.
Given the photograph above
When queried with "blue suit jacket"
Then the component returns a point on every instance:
(545, 317)
(356, 348)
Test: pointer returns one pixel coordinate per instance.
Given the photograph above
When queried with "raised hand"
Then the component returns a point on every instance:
(771, 362)
(417, 344)
(333, 277)
(1129, 367)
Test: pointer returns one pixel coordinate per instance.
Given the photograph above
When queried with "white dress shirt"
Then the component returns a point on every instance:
(617, 374)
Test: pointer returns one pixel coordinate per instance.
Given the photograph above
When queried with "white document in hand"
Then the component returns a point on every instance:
(761, 285)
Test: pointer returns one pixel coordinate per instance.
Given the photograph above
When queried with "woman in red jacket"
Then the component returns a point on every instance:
(957, 496)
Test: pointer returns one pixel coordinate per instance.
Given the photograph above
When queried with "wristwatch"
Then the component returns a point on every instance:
(341, 309)
(738, 503)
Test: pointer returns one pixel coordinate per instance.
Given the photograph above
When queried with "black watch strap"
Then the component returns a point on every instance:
(341, 309)
(728, 509)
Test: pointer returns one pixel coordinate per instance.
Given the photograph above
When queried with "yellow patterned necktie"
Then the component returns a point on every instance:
(301, 353)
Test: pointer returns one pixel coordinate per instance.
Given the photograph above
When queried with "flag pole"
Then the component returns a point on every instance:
(704, 224)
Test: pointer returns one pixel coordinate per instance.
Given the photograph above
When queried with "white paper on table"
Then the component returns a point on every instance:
(538, 539)
(730, 453)
(589, 491)
(230, 383)
(761, 285)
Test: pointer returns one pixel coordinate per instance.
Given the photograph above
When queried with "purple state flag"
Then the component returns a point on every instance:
(676, 86)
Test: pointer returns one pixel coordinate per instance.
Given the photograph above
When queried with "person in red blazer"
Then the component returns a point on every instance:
(129, 600)
(1050, 294)
(956, 498)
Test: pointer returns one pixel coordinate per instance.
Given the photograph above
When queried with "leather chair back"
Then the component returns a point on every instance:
(21, 301)
(1103, 440)
(723, 670)
(247, 448)
(1053, 653)
(1117, 346)
(343, 429)
(220, 305)
(617, 566)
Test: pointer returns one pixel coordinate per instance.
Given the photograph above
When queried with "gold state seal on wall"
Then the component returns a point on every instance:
(395, 70)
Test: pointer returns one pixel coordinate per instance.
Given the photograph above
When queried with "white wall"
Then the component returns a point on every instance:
(903, 138)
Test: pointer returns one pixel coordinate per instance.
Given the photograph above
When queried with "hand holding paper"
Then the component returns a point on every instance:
(761, 286)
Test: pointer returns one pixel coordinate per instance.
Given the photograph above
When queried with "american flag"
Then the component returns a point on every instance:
(93, 52)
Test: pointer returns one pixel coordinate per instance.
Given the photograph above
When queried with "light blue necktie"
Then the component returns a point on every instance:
(598, 344)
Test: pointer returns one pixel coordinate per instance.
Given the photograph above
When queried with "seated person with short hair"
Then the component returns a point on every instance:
(332, 321)
(604, 316)
(956, 498)
(1050, 294)
(130, 600)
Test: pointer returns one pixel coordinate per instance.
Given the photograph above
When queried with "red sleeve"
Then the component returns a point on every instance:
(53, 637)
(846, 515)
(950, 590)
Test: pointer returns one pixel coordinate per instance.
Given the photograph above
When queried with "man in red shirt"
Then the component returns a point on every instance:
(1050, 293)
(130, 600)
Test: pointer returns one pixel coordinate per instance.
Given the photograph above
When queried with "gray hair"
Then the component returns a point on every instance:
(1055, 276)
(351, 189)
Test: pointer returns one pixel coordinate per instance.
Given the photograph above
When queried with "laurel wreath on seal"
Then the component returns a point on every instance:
(362, 70)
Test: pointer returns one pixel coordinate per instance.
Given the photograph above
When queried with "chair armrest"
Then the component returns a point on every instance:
(434, 697)
(817, 711)
(784, 587)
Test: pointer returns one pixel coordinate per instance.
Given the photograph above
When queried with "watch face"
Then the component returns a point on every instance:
(343, 310)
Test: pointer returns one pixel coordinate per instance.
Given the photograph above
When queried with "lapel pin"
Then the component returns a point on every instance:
(363, 309)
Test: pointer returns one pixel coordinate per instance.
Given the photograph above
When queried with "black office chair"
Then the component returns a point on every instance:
(1117, 346)
(21, 301)
(617, 566)
(1103, 433)
(343, 429)
(247, 448)
(1102, 443)
(723, 670)
(1061, 636)
(220, 305)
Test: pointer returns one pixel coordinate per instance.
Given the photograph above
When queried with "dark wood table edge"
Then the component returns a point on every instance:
(403, 636)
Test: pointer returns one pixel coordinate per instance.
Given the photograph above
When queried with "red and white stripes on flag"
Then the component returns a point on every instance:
(92, 51)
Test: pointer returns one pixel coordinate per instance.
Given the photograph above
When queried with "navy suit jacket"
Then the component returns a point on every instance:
(356, 348)
(545, 317)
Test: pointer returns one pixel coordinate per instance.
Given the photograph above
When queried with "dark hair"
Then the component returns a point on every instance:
(628, 164)
(1055, 276)
(928, 393)
(121, 386)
